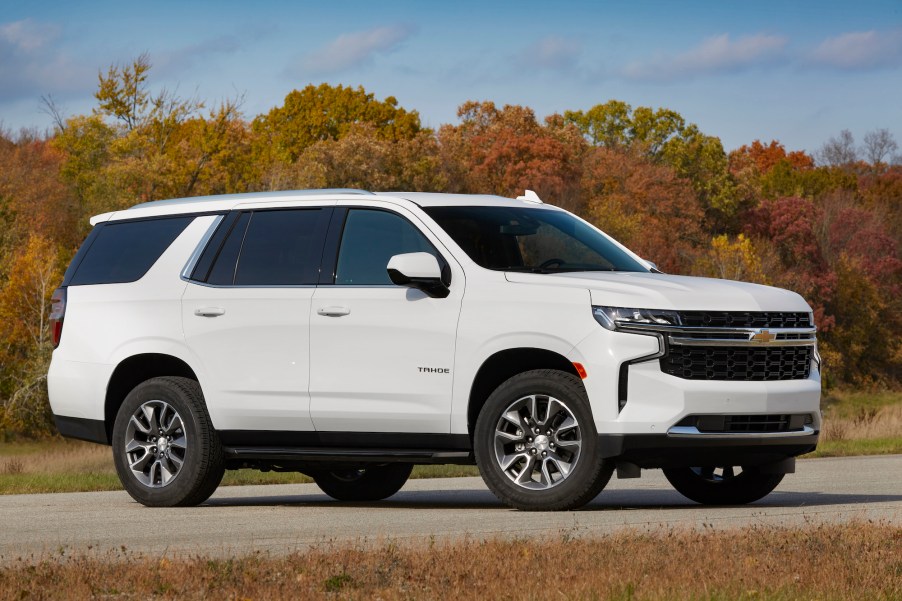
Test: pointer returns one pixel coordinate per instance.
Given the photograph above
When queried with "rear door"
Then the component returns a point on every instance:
(246, 317)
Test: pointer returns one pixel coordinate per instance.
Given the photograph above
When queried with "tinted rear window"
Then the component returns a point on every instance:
(124, 252)
(272, 248)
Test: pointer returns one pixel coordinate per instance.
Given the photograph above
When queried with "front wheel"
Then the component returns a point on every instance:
(722, 485)
(164, 446)
(536, 443)
(371, 483)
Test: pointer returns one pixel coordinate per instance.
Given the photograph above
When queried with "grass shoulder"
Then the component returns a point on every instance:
(856, 560)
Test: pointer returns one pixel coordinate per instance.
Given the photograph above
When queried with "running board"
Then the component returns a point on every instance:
(368, 455)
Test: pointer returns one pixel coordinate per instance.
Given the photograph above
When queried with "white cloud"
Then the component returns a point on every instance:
(27, 36)
(351, 50)
(31, 63)
(718, 54)
(860, 50)
(552, 52)
(171, 63)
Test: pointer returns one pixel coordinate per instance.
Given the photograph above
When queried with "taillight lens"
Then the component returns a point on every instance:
(57, 313)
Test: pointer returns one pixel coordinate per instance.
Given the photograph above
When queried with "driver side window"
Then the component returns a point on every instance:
(370, 238)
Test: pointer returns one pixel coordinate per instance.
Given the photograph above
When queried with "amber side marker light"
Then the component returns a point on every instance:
(580, 370)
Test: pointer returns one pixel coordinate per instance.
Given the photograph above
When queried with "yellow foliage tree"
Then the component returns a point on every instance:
(25, 344)
(732, 260)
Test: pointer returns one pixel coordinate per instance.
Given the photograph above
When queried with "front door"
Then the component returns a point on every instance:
(381, 355)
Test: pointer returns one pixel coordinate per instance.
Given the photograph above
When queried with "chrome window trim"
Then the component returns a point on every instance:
(199, 249)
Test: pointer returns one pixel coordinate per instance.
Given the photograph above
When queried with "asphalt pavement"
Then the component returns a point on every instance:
(285, 518)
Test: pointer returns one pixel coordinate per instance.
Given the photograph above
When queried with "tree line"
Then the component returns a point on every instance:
(828, 226)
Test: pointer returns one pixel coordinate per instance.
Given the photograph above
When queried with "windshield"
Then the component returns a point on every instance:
(533, 240)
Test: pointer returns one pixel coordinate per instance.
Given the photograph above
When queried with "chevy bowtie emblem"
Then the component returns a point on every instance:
(763, 336)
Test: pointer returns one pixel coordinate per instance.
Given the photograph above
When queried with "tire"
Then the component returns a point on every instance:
(540, 411)
(706, 486)
(166, 451)
(371, 483)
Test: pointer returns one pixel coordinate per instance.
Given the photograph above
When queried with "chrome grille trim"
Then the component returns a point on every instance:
(693, 432)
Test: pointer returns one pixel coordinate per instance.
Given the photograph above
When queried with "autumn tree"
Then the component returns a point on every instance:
(33, 273)
(122, 92)
(879, 147)
(732, 259)
(839, 151)
(504, 151)
(364, 159)
(645, 205)
(325, 112)
(663, 135)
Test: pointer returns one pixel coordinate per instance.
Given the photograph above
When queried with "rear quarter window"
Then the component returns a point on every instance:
(118, 253)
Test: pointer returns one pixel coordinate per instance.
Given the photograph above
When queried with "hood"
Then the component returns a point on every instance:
(663, 291)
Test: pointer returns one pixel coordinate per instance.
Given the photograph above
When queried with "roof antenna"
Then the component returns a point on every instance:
(530, 196)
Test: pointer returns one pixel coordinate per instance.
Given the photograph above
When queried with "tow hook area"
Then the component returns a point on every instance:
(786, 466)
(625, 469)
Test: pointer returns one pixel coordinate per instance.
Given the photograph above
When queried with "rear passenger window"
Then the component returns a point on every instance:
(223, 271)
(369, 240)
(124, 252)
(272, 248)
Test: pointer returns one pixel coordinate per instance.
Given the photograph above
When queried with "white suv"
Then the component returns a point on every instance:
(350, 335)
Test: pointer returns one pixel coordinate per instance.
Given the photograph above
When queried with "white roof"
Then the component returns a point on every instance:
(226, 202)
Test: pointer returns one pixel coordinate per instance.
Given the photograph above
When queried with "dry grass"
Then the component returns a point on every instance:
(867, 423)
(861, 424)
(851, 561)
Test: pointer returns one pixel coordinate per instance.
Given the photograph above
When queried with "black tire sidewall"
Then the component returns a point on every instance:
(588, 476)
(202, 459)
(747, 487)
(376, 483)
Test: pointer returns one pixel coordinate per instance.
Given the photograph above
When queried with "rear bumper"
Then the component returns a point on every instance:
(680, 450)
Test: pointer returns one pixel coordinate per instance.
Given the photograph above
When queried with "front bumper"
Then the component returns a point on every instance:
(684, 449)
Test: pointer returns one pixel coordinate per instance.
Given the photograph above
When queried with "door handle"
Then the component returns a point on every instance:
(209, 311)
(334, 311)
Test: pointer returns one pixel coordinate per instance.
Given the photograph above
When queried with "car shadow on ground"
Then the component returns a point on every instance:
(606, 501)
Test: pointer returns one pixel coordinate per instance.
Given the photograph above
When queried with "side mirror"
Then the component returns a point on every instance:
(420, 271)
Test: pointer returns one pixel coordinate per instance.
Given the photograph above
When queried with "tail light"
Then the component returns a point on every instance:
(57, 313)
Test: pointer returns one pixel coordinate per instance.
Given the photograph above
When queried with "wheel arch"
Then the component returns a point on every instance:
(136, 369)
(505, 364)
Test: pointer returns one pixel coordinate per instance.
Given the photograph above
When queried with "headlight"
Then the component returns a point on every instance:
(609, 316)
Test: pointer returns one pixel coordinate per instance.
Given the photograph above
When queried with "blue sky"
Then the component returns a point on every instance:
(798, 71)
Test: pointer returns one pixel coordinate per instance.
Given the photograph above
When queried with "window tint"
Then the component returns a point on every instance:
(124, 252)
(534, 240)
(281, 248)
(369, 240)
(223, 271)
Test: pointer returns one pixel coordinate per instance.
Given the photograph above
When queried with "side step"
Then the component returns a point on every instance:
(362, 455)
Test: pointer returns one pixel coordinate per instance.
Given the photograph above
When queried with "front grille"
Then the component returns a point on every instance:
(737, 363)
(745, 319)
(753, 424)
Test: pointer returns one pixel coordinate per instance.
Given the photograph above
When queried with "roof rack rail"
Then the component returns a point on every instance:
(276, 194)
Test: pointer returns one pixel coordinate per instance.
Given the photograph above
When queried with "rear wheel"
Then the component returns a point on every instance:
(536, 443)
(164, 446)
(722, 485)
(371, 483)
